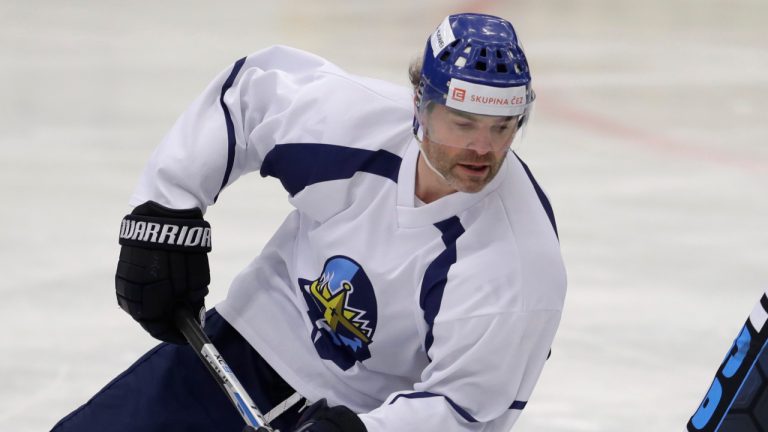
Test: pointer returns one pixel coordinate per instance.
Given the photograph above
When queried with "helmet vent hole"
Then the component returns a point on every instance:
(501, 68)
(467, 49)
(444, 56)
(454, 43)
(481, 66)
(499, 54)
(518, 68)
(460, 62)
(483, 53)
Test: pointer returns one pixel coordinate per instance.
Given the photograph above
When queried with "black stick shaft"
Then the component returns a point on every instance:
(219, 369)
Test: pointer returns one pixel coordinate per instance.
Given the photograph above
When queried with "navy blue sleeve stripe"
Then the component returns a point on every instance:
(540, 193)
(420, 395)
(231, 138)
(436, 275)
(518, 405)
(300, 165)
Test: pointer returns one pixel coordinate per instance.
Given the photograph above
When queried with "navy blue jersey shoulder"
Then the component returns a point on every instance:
(540, 193)
(300, 165)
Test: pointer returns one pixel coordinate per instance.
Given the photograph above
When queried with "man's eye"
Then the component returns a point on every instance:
(464, 125)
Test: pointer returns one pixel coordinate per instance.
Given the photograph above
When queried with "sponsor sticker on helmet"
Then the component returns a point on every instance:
(442, 36)
(487, 100)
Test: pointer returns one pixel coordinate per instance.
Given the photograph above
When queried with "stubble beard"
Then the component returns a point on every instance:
(448, 166)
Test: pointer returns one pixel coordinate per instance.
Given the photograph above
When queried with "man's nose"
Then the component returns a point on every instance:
(482, 142)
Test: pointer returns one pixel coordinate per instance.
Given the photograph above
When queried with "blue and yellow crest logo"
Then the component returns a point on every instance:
(342, 305)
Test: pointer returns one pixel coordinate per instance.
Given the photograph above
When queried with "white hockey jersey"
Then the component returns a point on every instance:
(433, 318)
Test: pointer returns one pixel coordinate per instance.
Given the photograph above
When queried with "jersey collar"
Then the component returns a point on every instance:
(409, 216)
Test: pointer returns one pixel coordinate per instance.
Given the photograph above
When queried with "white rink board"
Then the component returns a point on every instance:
(650, 136)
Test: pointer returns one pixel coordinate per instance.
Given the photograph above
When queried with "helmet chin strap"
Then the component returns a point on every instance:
(418, 133)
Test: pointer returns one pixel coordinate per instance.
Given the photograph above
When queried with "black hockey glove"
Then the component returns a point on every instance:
(163, 266)
(319, 417)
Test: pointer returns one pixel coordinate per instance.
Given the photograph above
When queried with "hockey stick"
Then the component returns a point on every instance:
(221, 372)
(737, 400)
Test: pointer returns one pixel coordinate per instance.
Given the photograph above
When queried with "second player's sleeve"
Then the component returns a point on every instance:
(228, 129)
(482, 371)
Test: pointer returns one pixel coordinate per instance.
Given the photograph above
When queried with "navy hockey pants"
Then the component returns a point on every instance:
(168, 389)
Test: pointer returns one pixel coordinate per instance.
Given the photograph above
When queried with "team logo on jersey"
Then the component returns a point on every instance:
(343, 307)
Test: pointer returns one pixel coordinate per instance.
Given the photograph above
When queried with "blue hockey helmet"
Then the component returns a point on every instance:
(474, 63)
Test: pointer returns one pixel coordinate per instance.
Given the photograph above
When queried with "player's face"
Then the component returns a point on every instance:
(467, 149)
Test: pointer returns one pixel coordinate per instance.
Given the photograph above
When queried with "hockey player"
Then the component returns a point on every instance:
(417, 285)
